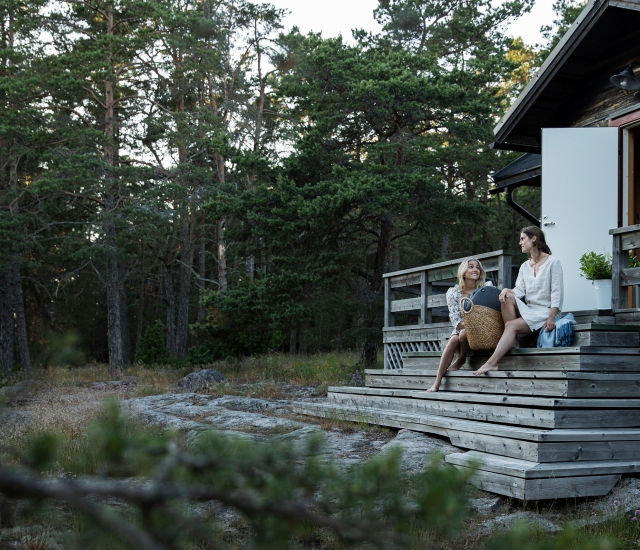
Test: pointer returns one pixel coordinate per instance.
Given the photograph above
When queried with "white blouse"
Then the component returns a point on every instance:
(545, 289)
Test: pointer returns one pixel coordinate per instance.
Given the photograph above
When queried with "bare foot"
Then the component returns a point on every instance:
(456, 366)
(516, 345)
(485, 369)
(433, 388)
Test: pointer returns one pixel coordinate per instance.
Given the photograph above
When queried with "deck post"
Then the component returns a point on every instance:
(389, 296)
(619, 295)
(504, 271)
(425, 291)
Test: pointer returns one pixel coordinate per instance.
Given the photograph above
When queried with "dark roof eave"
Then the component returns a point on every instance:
(563, 49)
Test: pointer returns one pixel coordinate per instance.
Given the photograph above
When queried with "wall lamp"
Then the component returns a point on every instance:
(626, 80)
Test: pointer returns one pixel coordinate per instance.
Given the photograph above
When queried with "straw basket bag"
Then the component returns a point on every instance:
(484, 325)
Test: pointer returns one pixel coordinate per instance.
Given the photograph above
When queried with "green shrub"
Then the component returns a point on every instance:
(595, 266)
(204, 354)
(152, 346)
(241, 321)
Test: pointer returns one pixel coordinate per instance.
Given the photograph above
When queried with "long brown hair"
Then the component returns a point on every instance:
(540, 243)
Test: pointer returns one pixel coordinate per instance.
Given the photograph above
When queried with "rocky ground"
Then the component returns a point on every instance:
(345, 443)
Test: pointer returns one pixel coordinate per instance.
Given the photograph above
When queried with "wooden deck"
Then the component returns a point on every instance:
(552, 423)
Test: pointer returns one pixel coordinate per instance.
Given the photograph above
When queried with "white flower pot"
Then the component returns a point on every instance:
(603, 293)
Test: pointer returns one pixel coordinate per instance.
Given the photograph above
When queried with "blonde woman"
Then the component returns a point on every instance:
(471, 276)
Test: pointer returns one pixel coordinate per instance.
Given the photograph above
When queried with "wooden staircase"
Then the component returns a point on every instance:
(551, 423)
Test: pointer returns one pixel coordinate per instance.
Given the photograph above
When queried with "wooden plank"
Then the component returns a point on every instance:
(425, 292)
(627, 317)
(504, 272)
(620, 261)
(596, 318)
(606, 339)
(631, 241)
(389, 319)
(625, 230)
(573, 350)
(442, 424)
(429, 337)
(518, 415)
(524, 386)
(575, 384)
(502, 400)
(630, 276)
(535, 470)
(605, 327)
(554, 387)
(431, 326)
(405, 280)
(455, 262)
(537, 374)
(570, 362)
(542, 489)
(545, 451)
(404, 306)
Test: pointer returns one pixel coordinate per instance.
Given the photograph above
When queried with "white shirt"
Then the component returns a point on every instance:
(546, 289)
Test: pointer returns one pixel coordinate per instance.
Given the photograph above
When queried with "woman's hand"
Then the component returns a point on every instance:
(550, 323)
(504, 295)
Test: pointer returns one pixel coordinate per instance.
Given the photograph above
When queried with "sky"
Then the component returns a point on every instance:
(334, 17)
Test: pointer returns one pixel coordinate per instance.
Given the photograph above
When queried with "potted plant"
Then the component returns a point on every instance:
(597, 268)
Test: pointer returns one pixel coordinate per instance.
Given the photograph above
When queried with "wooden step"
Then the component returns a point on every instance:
(605, 336)
(540, 446)
(441, 424)
(534, 481)
(555, 416)
(500, 400)
(533, 470)
(533, 383)
(587, 359)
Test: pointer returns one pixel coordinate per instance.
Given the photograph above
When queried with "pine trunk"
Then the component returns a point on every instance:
(293, 341)
(114, 306)
(126, 332)
(21, 320)
(186, 261)
(202, 274)
(6, 321)
(222, 256)
(369, 352)
(141, 287)
(170, 334)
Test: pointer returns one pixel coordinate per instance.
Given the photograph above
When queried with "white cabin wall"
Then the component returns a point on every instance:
(579, 201)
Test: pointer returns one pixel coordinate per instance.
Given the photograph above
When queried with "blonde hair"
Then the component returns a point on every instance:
(462, 269)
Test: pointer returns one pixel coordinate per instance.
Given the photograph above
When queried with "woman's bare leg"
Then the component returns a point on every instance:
(511, 328)
(445, 361)
(463, 348)
(509, 309)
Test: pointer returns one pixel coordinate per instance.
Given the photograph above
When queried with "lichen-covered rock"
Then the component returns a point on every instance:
(211, 375)
(197, 381)
(505, 523)
(417, 447)
(485, 506)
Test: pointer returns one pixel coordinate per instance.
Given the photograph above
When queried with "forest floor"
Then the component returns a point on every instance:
(255, 401)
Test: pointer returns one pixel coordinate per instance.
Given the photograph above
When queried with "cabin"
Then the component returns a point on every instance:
(552, 422)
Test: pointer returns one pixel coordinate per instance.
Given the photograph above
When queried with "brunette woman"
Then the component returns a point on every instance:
(536, 298)
(471, 276)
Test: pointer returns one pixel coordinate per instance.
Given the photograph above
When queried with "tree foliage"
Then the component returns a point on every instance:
(195, 164)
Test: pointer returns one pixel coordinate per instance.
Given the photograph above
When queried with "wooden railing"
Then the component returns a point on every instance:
(623, 276)
(419, 282)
